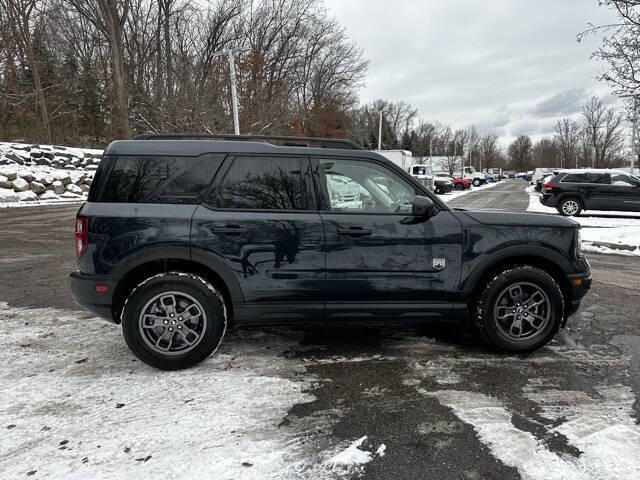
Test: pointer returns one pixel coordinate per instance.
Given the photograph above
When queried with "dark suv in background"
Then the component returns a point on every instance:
(181, 239)
(572, 191)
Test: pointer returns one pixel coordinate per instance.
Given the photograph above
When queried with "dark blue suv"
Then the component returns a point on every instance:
(181, 239)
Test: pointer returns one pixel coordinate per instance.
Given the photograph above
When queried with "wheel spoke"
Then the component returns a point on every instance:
(516, 327)
(187, 332)
(536, 321)
(190, 313)
(516, 294)
(169, 303)
(507, 312)
(166, 336)
(153, 321)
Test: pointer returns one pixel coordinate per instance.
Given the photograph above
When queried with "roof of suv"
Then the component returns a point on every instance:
(200, 146)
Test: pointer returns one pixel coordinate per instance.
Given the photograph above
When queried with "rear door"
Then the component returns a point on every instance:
(592, 188)
(379, 258)
(260, 220)
(624, 193)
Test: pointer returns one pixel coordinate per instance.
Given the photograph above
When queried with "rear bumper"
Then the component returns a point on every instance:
(547, 200)
(579, 285)
(83, 291)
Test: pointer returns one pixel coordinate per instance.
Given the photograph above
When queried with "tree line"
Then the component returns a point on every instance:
(88, 71)
(84, 72)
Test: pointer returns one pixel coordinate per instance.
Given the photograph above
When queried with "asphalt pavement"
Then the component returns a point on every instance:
(417, 389)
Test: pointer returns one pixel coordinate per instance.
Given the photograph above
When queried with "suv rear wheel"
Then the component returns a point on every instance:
(174, 320)
(570, 207)
(476, 182)
(520, 310)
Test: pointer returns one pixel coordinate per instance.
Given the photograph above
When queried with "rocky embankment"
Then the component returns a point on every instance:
(45, 173)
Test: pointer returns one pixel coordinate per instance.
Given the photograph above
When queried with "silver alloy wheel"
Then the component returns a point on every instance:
(172, 323)
(522, 311)
(570, 207)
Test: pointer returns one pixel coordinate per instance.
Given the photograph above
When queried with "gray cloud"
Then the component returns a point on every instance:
(564, 103)
(502, 65)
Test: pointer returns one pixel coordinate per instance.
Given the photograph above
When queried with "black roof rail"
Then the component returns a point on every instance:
(337, 143)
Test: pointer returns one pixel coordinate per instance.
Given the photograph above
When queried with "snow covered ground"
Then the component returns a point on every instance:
(602, 231)
(76, 404)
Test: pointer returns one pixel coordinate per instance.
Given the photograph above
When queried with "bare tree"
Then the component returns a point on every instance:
(620, 48)
(109, 18)
(546, 153)
(22, 16)
(567, 136)
(603, 128)
(489, 150)
(520, 152)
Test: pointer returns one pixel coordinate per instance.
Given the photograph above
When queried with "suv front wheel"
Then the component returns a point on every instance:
(174, 320)
(520, 309)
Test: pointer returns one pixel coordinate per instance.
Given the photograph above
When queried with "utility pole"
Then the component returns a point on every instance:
(231, 52)
(634, 129)
(430, 147)
(380, 130)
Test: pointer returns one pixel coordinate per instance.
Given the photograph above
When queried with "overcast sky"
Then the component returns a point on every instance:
(506, 66)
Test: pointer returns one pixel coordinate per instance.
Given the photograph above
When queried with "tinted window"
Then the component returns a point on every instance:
(624, 180)
(160, 179)
(263, 183)
(359, 186)
(586, 178)
(100, 177)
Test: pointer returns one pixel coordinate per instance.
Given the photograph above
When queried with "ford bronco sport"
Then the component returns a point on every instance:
(184, 237)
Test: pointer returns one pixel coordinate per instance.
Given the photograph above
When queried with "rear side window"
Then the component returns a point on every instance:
(586, 178)
(263, 183)
(160, 179)
(100, 177)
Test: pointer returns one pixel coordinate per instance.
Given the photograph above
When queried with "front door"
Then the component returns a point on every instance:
(260, 219)
(624, 193)
(378, 256)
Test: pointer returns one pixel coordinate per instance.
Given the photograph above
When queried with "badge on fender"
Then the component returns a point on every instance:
(439, 263)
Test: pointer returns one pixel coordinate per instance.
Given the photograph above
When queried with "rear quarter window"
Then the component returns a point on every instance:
(159, 179)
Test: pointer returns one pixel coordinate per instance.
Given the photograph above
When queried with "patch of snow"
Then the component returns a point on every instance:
(81, 406)
(602, 231)
(352, 455)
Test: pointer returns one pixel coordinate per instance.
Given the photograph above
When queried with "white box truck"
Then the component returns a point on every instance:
(404, 159)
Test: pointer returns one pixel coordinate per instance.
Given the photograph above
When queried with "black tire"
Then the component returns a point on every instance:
(476, 182)
(485, 315)
(459, 186)
(212, 321)
(439, 191)
(570, 206)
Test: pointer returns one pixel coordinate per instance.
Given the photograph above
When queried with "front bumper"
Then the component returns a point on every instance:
(95, 300)
(579, 285)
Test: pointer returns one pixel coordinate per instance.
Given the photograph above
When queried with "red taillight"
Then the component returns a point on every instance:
(547, 186)
(82, 235)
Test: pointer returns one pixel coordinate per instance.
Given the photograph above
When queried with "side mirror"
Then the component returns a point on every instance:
(422, 207)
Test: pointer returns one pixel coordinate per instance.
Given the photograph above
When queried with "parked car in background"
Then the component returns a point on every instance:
(489, 177)
(460, 183)
(180, 240)
(441, 183)
(572, 191)
(539, 174)
(541, 181)
(498, 173)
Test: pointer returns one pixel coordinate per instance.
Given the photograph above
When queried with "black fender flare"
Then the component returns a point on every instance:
(544, 253)
(161, 252)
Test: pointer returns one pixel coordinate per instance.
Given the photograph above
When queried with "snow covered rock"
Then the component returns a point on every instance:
(27, 196)
(58, 187)
(49, 195)
(70, 196)
(26, 175)
(43, 178)
(37, 188)
(20, 185)
(35, 153)
(92, 167)
(62, 176)
(5, 183)
(7, 195)
(74, 189)
(11, 175)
